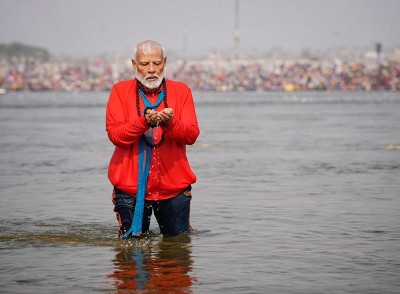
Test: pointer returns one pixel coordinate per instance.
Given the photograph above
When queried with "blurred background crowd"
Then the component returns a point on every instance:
(21, 70)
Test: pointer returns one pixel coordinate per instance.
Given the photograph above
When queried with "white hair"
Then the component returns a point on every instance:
(146, 47)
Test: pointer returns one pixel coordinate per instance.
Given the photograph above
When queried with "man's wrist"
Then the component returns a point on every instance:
(145, 113)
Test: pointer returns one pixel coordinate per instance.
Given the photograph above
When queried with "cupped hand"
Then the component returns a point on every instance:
(166, 115)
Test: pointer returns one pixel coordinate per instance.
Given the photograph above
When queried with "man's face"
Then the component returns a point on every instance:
(149, 67)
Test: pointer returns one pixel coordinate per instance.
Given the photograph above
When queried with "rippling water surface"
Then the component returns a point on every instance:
(296, 193)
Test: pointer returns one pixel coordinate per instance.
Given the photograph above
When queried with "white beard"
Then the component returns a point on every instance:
(150, 84)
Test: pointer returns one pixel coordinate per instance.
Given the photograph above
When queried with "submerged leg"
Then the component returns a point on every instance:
(124, 206)
(173, 215)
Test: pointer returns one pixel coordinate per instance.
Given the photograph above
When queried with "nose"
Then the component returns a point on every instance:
(151, 68)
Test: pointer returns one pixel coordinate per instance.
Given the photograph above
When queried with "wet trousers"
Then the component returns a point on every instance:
(172, 214)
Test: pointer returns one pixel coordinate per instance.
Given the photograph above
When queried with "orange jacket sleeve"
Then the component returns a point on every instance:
(184, 127)
(122, 130)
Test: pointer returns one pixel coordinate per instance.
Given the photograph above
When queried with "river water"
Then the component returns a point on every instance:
(296, 193)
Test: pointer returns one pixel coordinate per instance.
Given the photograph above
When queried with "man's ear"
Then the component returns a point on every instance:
(133, 63)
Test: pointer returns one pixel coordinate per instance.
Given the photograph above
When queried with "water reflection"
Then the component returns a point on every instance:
(159, 266)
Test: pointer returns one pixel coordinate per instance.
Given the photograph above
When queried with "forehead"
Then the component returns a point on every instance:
(149, 53)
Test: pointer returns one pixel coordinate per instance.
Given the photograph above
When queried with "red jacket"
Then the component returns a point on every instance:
(171, 172)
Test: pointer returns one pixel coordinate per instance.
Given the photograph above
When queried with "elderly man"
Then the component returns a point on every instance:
(150, 120)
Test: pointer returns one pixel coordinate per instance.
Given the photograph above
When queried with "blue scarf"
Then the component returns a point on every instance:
(143, 173)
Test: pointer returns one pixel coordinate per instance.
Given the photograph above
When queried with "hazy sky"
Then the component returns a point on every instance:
(97, 26)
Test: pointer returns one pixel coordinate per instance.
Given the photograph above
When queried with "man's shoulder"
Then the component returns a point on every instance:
(124, 84)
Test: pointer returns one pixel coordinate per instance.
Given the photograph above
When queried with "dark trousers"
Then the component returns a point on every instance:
(172, 214)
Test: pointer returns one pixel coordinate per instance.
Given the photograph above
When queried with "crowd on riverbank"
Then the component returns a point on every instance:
(98, 74)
